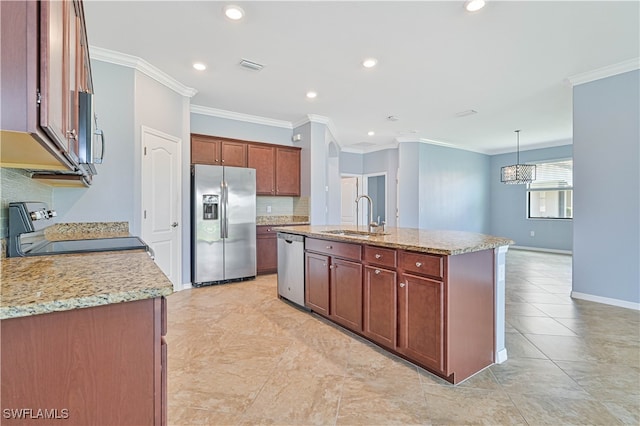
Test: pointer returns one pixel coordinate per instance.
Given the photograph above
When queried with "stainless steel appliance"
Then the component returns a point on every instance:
(223, 224)
(27, 221)
(291, 267)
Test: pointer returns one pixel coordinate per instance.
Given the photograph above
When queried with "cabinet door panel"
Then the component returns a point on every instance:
(421, 316)
(262, 158)
(266, 252)
(317, 283)
(288, 172)
(233, 153)
(205, 151)
(346, 293)
(53, 74)
(72, 35)
(380, 310)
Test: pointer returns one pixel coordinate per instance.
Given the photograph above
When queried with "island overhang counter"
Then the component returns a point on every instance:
(433, 297)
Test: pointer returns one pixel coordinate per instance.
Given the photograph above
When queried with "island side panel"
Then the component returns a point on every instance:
(471, 313)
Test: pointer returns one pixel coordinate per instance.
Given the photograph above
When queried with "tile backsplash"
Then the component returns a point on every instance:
(17, 185)
(282, 206)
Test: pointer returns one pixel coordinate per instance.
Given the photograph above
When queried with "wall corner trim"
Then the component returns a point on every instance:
(122, 59)
(604, 72)
(606, 300)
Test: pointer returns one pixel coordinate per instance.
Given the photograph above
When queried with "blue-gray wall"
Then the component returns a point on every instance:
(111, 196)
(509, 205)
(606, 140)
(236, 129)
(443, 188)
(454, 189)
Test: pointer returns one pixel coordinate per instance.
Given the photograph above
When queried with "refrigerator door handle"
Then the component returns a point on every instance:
(225, 203)
(223, 212)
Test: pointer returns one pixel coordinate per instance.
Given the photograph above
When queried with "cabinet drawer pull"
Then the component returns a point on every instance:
(402, 284)
(332, 266)
(328, 247)
(378, 256)
(377, 271)
(418, 264)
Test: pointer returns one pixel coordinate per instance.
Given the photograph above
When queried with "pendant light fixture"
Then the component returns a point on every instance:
(518, 173)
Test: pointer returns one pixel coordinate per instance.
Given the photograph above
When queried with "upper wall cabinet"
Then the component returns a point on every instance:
(218, 151)
(44, 66)
(277, 167)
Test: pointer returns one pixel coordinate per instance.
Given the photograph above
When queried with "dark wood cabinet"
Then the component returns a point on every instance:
(316, 291)
(266, 250)
(434, 310)
(380, 306)
(263, 159)
(218, 151)
(45, 64)
(103, 364)
(421, 323)
(288, 171)
(334, 281)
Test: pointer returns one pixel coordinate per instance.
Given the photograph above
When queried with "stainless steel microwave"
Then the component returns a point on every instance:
(89, 135)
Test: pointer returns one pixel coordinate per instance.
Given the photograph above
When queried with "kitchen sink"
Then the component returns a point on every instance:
(350, 233)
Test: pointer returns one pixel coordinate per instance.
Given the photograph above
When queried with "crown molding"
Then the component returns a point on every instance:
(370, 149)
(404, 139)
(531, 147)
(231, 115)
(320, 119)
(608, 71)
(130, 61)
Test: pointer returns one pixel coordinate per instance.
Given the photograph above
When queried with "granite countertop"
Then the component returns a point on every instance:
(420, 240)
(282, 220)
(43, 284)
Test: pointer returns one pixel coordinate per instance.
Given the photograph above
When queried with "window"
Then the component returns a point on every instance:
(550, 196)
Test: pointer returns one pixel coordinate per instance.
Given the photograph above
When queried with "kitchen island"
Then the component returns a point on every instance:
(435, 298)
(82, 339)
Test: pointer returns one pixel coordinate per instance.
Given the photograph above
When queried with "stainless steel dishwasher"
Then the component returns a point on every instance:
(291, 267)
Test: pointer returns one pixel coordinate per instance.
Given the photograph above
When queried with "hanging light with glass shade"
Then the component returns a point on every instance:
(518, 173)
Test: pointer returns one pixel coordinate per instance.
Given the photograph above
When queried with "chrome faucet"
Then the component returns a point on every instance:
(372, 225)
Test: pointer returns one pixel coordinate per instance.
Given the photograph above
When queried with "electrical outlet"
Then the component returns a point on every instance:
(268, 209)
(532, 233)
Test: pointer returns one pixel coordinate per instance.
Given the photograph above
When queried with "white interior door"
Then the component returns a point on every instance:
(349, 193)
(162, 201)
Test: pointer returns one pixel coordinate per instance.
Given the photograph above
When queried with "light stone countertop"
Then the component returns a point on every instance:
(35, 285)
(420, 240)
(282, 220)
(43, 284)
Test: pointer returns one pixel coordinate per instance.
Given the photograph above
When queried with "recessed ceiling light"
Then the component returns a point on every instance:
(371, 133)
(233, 12)
(199, 66)
(311, 94)
(474, 5)
(369, 62)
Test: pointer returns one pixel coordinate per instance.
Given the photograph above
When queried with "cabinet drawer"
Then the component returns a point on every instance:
(420, 263)
(334, 248)
(262, 230)
(380, 256)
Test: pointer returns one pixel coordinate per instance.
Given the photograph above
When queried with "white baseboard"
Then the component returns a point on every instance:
(501, 356)
(547, 250)
(606, 300)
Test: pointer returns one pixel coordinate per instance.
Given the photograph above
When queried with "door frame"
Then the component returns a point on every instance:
(365, 190)
(144, 131)
(360, 190)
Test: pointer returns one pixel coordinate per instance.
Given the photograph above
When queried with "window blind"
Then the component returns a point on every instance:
(553, 175)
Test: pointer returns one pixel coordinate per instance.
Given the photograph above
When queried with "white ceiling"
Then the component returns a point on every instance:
(510, 62)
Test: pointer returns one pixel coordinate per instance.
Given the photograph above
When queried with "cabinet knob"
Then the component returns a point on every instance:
(174, 224)
(332, 266)
(402, 284)
(72, 134)
(418, 264)
(223, 161)
(268, 229)
(378, 256)
(328, 247)
(377, 271)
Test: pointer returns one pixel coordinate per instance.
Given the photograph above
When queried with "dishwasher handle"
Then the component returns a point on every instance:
(290, 238)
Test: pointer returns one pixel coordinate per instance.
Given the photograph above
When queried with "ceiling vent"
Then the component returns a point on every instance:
(466, 113)
(251, 65)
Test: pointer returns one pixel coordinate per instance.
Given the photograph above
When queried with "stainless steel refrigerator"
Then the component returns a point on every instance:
(223, 224)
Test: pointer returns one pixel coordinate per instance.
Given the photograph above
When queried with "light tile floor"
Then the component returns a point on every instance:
(240, 356)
